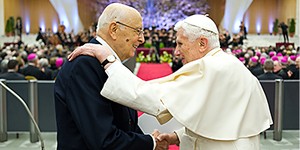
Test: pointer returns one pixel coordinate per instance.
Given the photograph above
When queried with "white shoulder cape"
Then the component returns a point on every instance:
(216, 97)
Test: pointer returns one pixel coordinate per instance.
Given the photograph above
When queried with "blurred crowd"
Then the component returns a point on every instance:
(32, 61)
(283, 62)
(43, 59)
(69, 40)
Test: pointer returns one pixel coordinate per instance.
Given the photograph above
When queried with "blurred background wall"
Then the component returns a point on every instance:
(259, 17)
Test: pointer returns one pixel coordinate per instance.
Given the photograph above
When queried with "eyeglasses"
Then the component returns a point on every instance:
(140, 32)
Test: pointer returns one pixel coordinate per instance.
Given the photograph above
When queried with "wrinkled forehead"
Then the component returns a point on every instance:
(181, 35)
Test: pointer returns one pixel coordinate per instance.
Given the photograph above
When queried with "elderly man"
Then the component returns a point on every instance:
(280, 70)
(32, 69)
(219, 109)
(87, 120)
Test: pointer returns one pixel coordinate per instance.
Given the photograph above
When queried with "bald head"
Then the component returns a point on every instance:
(116, 12)
(120, 26)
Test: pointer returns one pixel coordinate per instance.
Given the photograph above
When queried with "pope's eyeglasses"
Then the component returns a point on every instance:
(140, 32)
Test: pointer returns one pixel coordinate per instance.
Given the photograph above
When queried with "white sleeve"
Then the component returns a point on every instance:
(123, 87)
(180, 133)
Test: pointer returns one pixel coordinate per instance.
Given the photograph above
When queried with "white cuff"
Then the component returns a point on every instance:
(179, 133)
(112, 66)
(154, 142)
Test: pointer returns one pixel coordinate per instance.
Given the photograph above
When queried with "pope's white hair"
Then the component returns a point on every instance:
(193, 32)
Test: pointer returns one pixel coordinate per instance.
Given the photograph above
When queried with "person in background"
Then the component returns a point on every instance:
(41, 36)
(58, 63)
(87, 120)
(19, 27)
(199, 95)
(62, 35)
(268, 69)
(285, 34)
(293, 72)
(12, 73)
(32, 69)
(44, 67)
(243, 30)
(3, 66)
(255, 67)
(279, 70)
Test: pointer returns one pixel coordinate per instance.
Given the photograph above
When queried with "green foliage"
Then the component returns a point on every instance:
(140, 57)
(292, 27)
(10, 23)
(7, 28)
(161, 45)
(164, 58)
(147, 45)
(275, 26)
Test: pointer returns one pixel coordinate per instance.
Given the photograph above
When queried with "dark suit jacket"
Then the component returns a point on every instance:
(268, 76)
(33, 71)
(295, 71)
(256, 70)
(283, 73)
(12, 76)
(87, 120)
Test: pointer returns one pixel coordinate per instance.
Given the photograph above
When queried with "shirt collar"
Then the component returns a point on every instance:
(99, 39)
(11, 70)
(213, 52)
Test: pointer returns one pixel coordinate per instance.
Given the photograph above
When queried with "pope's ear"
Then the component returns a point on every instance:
(203, 44)
(113, 30)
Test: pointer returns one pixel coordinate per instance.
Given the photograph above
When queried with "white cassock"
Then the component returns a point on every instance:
(218, 101)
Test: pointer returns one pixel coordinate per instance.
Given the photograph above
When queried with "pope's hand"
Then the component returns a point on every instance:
(94, 50)
(171, 138)
(160, 144)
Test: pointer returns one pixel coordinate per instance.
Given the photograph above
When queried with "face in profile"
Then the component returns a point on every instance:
(277, 66)
(187, 50)
(129, 37)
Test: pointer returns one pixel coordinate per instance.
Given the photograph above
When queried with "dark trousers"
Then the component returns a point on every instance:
(285, 37)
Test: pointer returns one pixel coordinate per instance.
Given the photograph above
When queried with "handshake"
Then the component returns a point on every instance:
(163, 140)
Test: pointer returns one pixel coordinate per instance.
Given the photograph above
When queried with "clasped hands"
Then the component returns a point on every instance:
(163, 140)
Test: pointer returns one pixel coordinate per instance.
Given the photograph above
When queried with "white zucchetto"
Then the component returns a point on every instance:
(203, 22)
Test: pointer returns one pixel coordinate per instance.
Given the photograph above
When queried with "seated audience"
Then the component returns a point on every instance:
(58, 63)
(32, 69)
(52, 47)
(12, 72)
(44, 67)
(278, 69)
(268, 69)
(293, 69)
(255, 67)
